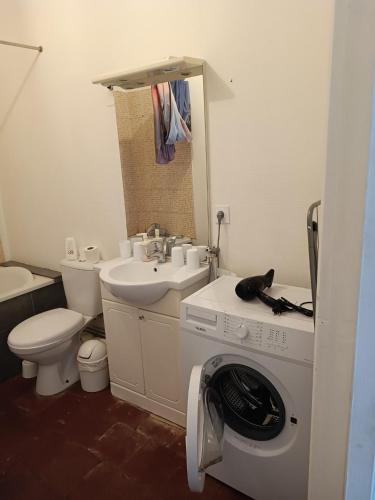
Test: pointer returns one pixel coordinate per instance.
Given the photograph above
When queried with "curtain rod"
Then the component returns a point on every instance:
(22, 45)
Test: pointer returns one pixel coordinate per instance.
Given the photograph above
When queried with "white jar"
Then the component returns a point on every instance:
(192, 259)
(177, 257)
(185, 248)
(125, 249)
(139, 251)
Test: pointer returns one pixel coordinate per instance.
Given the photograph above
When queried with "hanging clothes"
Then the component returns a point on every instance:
(164, 153)
(165, 100)
(178, 130)
(180, 89)
(169, 125)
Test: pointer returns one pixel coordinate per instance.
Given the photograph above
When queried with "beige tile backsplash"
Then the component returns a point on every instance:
(153, 193)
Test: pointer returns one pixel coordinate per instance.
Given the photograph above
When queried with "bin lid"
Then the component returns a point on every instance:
(92, 351)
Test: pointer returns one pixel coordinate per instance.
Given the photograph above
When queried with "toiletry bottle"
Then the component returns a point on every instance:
(71, 252)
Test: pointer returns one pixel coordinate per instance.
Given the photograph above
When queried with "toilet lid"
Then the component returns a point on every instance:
(46, 328)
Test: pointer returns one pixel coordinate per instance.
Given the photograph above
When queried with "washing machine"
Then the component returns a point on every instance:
(248, 383)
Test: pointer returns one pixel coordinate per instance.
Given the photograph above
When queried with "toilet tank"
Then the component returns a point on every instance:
(82, 287)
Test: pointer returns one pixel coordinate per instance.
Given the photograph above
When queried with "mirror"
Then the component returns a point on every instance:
(173, 195)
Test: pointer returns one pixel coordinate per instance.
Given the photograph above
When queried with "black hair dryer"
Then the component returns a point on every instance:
(249, 288)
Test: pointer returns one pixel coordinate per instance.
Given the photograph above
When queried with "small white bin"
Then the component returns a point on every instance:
(93, 365)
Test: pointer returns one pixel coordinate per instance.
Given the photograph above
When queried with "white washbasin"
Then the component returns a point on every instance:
(143, 283)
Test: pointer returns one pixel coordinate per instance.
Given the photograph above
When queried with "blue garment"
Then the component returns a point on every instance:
(178, 130)
(180, 89)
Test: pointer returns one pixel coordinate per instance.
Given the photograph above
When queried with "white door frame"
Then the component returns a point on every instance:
(343, 301)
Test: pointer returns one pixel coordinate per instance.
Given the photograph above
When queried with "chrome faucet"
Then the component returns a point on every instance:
(157, 249)
(151, 230)
(161, 248)
(170, 243)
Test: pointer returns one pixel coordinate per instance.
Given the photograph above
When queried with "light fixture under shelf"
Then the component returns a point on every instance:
(172, 68)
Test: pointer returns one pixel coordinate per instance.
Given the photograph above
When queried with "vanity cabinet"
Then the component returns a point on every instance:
(161, 358)
(124, 345)
(144, 359)
(144, 352)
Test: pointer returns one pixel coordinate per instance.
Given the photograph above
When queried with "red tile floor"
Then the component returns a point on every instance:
(79, 445)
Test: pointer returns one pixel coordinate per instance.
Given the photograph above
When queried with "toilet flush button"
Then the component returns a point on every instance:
(242, 332)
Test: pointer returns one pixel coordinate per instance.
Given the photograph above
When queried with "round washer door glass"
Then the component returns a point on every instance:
(252, 406)
(204, 429)
(213, 429)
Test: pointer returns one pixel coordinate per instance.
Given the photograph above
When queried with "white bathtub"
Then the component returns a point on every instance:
(16, 281)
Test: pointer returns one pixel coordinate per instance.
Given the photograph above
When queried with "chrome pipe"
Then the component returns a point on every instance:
(313, 243)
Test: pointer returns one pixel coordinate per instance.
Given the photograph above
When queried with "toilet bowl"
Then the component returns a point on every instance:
(51, 338)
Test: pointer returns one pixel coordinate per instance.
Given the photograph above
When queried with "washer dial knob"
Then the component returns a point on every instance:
(242, 332)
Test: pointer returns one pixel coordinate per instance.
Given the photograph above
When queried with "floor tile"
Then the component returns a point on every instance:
(163, 432)
(59, 462)
(120, 411)
(15, 428)
(19, 483)
(106, 481)
(178, 445)
(79, 445)
(35, 405)
(119, 443)
(154, 463)
(16, 386)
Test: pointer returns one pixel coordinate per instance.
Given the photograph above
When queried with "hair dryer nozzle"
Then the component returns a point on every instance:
(268, 278)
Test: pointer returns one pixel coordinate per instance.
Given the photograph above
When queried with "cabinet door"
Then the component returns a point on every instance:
(161, 362)
(124, 345)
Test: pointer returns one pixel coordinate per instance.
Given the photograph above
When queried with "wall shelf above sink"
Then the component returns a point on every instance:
(169, 69)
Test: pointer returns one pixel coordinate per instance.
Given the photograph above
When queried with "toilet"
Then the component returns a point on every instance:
(51, 338)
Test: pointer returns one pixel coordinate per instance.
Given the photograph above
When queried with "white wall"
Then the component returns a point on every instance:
(60, 172)
(267, 87)
(340, 264)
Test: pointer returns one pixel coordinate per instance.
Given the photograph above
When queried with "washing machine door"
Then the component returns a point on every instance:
(204, 430)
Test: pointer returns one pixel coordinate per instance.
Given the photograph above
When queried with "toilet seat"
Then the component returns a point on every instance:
(45, 329)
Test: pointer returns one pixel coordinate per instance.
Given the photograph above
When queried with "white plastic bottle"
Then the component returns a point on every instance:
(71, 252)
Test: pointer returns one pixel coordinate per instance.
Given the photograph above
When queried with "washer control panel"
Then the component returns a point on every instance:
(271, 337)
(255, 334)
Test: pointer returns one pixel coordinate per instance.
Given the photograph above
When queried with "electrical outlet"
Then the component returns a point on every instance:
(225, 209)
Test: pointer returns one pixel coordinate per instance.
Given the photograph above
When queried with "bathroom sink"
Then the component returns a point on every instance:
(143, 283)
